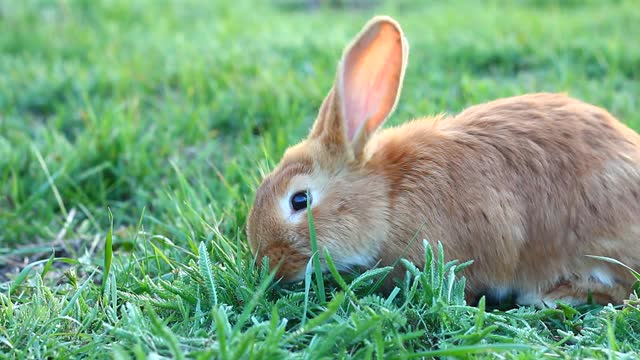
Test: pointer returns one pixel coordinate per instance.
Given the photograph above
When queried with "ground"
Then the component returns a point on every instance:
(165, 114)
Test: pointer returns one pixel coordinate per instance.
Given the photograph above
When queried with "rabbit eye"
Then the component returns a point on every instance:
(299, 200)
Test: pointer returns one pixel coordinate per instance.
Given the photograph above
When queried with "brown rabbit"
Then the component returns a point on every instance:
(525, 186)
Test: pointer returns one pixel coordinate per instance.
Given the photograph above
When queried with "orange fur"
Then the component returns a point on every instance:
(525, 186)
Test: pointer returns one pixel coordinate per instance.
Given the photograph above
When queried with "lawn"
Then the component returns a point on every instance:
(133, 135)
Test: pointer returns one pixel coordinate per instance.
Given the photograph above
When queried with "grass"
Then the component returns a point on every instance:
(165, 114)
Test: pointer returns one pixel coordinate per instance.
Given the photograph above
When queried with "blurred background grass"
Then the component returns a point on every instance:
(127, 101)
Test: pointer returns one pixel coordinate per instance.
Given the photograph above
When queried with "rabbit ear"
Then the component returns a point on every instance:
(370, 75)
(368, 84)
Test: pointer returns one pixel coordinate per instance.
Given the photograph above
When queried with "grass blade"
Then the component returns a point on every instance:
(207, 273)
(316, 254)
(464, 351)
(614, 261)
(75, 296)
(27, 269)
(108, 254)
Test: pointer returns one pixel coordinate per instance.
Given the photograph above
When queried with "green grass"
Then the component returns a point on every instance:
(166, 114)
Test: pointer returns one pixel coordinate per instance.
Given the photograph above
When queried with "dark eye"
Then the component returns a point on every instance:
(299, 200)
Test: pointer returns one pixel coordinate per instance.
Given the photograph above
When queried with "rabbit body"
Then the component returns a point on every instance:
(525, 186)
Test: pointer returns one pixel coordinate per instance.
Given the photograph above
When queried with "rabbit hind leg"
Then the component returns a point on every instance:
(597, 289)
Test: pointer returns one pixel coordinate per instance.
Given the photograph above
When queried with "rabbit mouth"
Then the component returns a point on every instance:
(287, 274)
(350, 264)
(294, 277)
(288, 262)
(347, 263)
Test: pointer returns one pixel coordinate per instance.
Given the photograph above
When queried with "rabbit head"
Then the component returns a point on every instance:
(325, 173)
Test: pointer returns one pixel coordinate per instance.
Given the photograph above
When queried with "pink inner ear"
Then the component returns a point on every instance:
(371, 77)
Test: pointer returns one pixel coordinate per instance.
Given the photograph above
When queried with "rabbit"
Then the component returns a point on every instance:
(527, 187)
